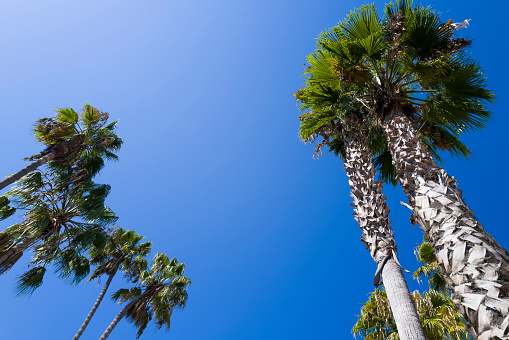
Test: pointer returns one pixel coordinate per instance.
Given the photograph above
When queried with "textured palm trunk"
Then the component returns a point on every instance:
(476, 266)
(95, 306)
(372, 214)
(9, 257)
(31, 167)
(117, 319)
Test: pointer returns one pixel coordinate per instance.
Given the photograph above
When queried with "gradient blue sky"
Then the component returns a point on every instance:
(212, 170)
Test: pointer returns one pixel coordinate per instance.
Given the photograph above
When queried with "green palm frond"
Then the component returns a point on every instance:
(29, 281)
(5, 210)
(361, 24)
(123, 294)
(425, 253)
(67, 116)
(425, 33)
(72, 266)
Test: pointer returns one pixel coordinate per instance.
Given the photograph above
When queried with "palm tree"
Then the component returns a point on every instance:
(161, 289)
(71, 138)
(409, 71)
(341, 130)
(123, 251)
(62, 219)
(438, 315)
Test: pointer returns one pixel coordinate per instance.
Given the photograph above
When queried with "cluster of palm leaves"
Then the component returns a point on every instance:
(66, 225)
(391, 92)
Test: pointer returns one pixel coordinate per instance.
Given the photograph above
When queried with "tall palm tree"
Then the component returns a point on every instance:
(70, 138)
(409, 71)
(122, 251)
(62, 219)
(344, 130)
(161, 289)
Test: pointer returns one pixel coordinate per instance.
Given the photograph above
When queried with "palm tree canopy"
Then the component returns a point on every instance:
(161, 288)
(123, 250)
(84, 138)
(409, 61)
(61, 220)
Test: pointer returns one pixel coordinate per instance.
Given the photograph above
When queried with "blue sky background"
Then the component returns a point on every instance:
(212, 170)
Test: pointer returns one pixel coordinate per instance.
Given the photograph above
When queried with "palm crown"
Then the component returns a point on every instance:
(161, 289)
(123, 250)
(61, 221)
(82, 141)
(410, 62)
(83, 138)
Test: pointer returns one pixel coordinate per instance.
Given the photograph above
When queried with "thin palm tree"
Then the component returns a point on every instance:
(123, 252)
(62, 219)
(342, 131)
(438, 315)
(160, 290)
(70, 138)
(409, 71)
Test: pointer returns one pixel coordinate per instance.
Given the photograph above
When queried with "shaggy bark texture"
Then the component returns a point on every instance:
(476, 266)
(372, 214)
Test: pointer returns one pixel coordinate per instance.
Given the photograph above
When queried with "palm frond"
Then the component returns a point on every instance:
(28, 282)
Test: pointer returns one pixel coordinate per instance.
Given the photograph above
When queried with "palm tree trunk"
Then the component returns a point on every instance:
(31, 167)
(476, 266)
(95, 306)
(401, 302)
(372, 214)
(117, 319)
(10, 256)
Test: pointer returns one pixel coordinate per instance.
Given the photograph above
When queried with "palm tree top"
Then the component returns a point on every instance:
(409, 61)
(84, 137)
(123, 250)
(161, 288)
(61, 221)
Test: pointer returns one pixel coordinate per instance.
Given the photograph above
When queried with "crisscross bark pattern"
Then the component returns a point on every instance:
(476, 266)
(372, 214)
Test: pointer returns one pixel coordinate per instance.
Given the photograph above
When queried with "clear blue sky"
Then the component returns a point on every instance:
(212, 170)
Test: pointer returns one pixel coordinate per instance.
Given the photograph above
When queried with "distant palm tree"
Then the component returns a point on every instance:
(122, 251)
(71, 138)
(62, 219)
(161, 289)
(430, 268)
